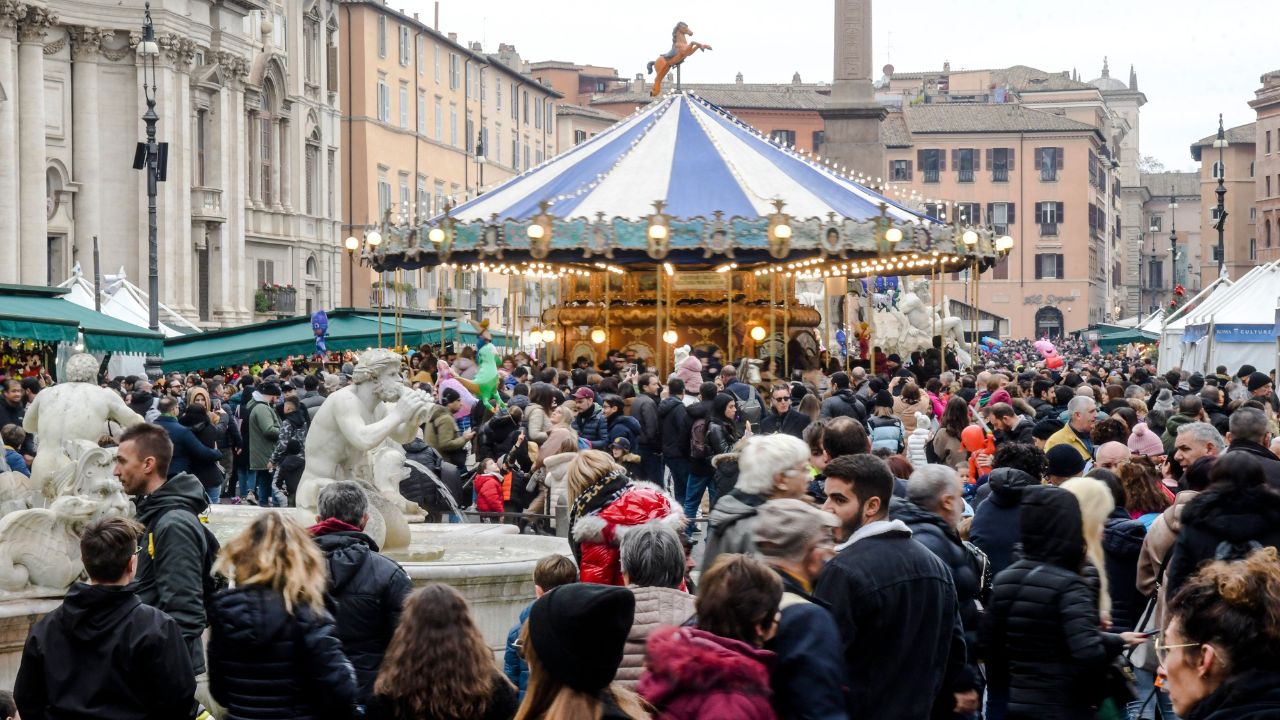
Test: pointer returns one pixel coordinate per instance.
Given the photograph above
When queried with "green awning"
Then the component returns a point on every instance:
(277, 339)
(41, 314)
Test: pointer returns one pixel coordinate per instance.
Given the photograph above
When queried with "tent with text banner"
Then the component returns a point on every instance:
(1236, 326)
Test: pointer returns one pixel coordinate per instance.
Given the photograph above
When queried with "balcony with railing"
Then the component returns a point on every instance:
(931, 176)
(1048, 229)
(999, 174)
(966, 175)
(1048, 173)
(275, 300)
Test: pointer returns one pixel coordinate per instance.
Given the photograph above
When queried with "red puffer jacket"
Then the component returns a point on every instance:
(599, 534)
(692, 674)
(488, 493)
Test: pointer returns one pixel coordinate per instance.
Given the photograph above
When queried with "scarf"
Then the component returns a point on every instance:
(331, 525)
(594, 497)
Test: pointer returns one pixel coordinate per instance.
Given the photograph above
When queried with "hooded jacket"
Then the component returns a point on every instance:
(673, 418)
(1223, 515)
(891, 593)
(269, 664)
(103, 653)
(995, 522)
(731, 526)
(170, 573)
(1040, 635)
(624, 426)
(598, 534)
(843, 403)
(366, 592)
(695, 675)
(263, 431)
(443, 436)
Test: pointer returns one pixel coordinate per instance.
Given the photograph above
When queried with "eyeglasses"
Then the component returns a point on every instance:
(1162, 651)
(782, 398)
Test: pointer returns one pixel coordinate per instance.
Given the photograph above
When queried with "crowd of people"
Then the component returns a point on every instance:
(1080, 538)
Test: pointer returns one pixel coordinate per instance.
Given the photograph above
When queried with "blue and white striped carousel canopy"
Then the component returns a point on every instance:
(690, 154)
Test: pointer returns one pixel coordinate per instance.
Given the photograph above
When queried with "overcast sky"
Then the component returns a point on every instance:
(1193, 59)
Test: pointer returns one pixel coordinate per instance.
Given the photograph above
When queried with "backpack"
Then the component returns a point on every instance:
(931, 453)
(750, 407)
(211, 582)
(888, 435)
(698, 439)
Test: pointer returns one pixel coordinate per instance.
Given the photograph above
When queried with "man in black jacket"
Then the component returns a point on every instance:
(645, 410)
(103, 653)
(893, 599)
(782, 416)
(366, 589)
(1042, 399)
(1250, 434)
(673, 435)
(1012, 427)
(187, 449)
(843, 402)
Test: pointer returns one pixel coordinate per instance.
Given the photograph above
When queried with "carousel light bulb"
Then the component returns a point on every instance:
(669, 337)
(893, 235)
(436, 235)
(657, 231)
(970, 237)
(1004, 243)
(374, 238)
(782, 231)
(598, 336)
(535, 232)
(758, 333)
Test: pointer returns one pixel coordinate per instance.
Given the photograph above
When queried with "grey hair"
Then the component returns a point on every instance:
(1082, 403)
(1134, 392)
(1206, 433)
(344, 500)
(1249, 424)
(652, 556)
(928, 484)
(762, 457)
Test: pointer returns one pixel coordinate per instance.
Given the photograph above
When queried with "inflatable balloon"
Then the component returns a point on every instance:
(991, 342)
(1045, 348)
(973, 438)
(1054, 362)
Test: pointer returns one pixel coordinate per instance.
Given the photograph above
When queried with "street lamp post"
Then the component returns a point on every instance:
(1221, 224)
(352, 244)
(149, 155)
(1173, 242)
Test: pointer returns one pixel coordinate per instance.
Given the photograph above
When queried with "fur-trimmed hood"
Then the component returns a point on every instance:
(641, 503)
(684, 661)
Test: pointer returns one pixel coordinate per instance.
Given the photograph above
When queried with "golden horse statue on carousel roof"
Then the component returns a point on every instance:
(681, 48)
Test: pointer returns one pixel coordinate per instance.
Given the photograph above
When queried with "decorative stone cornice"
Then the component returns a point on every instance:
(87, 42)
(235, 67)
(34, 22)
(179, 50)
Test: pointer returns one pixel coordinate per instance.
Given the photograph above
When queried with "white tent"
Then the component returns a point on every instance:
(1171, 348)
(125, 301)
(1237, 328)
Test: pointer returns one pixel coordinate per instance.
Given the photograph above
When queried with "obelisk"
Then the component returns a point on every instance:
(852, 116)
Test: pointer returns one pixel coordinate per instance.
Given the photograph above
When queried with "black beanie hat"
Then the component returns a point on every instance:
(1258, 380)
(579, 630)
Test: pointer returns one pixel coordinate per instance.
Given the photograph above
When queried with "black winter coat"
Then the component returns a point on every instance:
(700, 466)
(995, 522)
(208, 471)
(1269, 462)
(366, 592)
(891, 593)
(1220, 518)
(673, 418)
(807, 676)
(268, 664)
(721, 437)
(933, 532)
(792, 423)
(625, 426)
(102, 653)
(1122, 544)
(1023, 432)
(1251, 695)
(644, 410)
(843, 403)
(1040, 635)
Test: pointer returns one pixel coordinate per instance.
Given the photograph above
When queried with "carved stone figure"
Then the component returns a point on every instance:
(41, 547)
(375, 409)
(77, 409)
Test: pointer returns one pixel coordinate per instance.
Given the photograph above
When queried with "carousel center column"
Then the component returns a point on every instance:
(33, 226)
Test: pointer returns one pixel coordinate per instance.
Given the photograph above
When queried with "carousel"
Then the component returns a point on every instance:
(681, 225)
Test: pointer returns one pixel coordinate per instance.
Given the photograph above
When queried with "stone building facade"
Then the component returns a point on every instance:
(251, 123)
(1266, 168)
(1240, 238)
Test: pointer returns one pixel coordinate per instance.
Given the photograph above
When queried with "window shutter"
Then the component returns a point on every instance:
(1060, 216)
(1009, 156)
(1039, 217)
(955, 158)
(920, 157)
(990, 212)
(908, 169)
(1062, 267)
(990, 164)
(1011, 206)
(331, 68)
(1059, 154)
(977, 160)
(1039, 267)
(942, 160)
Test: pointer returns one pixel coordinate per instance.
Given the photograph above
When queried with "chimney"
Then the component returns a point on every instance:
(738, 79)
(436, 26)
(453, 37)
(415, 18)
(637, 85)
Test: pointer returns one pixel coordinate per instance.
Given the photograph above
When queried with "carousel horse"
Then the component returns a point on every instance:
(487, 373)
(681, 48)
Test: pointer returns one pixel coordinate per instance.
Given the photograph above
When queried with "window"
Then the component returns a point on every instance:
(1000, 160)
(453, 124)
(515, 150)
(422, 113)
(404, 46)
(1215, 257)
(579, 137)
(422, 55)
(1266, 225)
(311, 45)
(965, 161)
(497, 90)
(424, 199)
(484, 148)
(1218, 170)
(1251, 168)
(1155, 274)
(1000, 216)
(382, 36)
(403, 207)
(469, 134)
(1048, 215)
(900, 171)
(329, 184)
(1268, 186)
(310, 170)
(439, 116)
(1155, 223)
(526, 156)
(968, 213)
(525, 97)
(455, 72)
(936, 210)
(785, 137)
(266, 272)
(1253, 249)
(549, 109)
(515, 102)
(537, 157)
(404, 105)
(537, 113)
(1049, 160)
(1253, 214)
(201, 117)
(496, 148)
(1093, 169)
(384, 99)
(384, 192)
(931, 162)
(1049, 266)
(819, 137)
(439, 203)
(266, 124)
(436, 49)
(1268, 142)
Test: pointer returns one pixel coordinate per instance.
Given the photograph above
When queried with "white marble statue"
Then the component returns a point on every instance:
(77, 409)
(372, 413)
(40, 548)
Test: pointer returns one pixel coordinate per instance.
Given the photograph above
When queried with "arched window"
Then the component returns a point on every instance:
(312, 168)
(1266, 231)
(313, 268)
(1217, 170)
(266, 139)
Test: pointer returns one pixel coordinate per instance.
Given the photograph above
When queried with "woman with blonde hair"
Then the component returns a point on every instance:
(273, 647)
(1096, 503)
(604, 503)
(438, 666)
